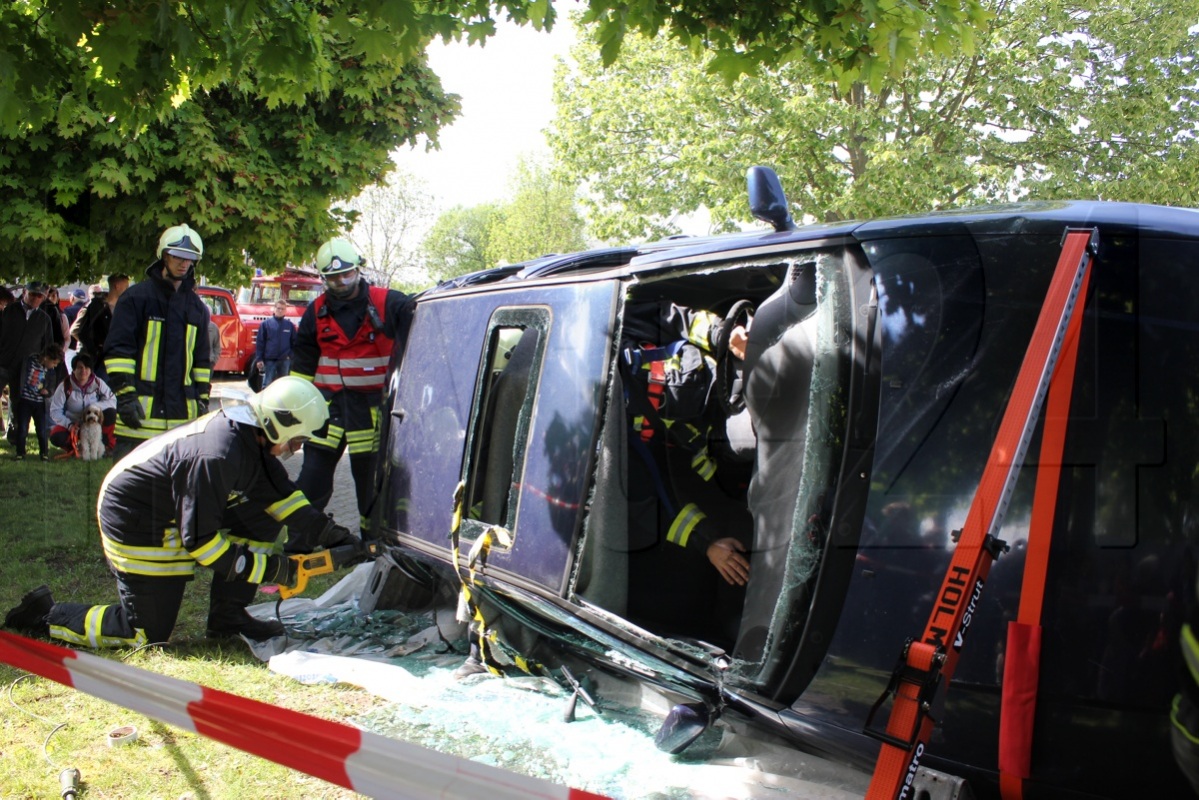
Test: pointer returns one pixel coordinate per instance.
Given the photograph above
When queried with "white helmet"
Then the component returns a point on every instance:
(181, 241)
(289, 407)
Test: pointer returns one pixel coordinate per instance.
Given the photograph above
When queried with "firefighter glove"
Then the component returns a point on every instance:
(282, 570)
(129, 409)
(202, 406)
(335, 535)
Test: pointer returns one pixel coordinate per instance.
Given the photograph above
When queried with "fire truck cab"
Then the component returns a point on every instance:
(295, 285)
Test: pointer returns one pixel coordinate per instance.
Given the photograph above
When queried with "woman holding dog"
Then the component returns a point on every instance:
(68, 407)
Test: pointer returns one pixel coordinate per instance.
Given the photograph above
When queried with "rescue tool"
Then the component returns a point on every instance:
(325, 561)
(922, 676)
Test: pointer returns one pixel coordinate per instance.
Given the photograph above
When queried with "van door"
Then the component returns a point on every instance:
(500, 389)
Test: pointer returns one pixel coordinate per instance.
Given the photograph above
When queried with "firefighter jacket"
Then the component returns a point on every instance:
(157, 348)
(668, 364)
(343, 346)
(163, 506)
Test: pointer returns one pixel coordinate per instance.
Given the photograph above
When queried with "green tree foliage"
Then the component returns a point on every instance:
(85, 198)
(133, 60)
(459, 241)
(1058, 99)
(539, 219)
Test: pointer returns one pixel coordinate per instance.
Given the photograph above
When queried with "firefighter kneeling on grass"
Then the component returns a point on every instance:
(213, 492)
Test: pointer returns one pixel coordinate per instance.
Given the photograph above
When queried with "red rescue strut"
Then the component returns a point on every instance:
(921, 678)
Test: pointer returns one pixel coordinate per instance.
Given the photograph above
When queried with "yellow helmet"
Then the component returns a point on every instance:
(289, 407)
(336, 256)
(181, 241)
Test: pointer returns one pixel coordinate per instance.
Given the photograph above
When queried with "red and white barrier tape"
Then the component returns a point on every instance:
(369, 764)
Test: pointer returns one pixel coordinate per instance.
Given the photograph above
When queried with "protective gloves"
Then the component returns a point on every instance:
(281, 570)
(129, 409)
(335, 535)
(201, 406)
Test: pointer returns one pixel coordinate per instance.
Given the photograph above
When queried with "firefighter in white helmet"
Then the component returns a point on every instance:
(343, 345)
(212, 493)
(156, 353)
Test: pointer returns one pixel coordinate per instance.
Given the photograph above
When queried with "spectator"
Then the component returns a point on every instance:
(73, 396)
(24, 331)
(90, 328)
(156, 351)
(78, 301)
(343, 345)
(6, 298)
(38, 381)
(60, 329)
(272, 352)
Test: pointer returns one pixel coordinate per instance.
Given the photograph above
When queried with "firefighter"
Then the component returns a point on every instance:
(156, 352)
(162, 509)
(686, 509)
(343, 345)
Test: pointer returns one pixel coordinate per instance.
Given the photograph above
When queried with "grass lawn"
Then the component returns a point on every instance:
(48, 534)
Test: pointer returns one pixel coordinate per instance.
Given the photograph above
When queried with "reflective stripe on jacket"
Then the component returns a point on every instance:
(157, 347)
(358, 364)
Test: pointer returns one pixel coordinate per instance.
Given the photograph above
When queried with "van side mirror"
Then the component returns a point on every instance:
(767, 201)
(685, 723)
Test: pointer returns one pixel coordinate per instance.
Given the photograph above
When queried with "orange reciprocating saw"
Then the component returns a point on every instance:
(325, 561)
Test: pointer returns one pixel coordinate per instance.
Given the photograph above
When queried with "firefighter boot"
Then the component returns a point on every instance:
(30, 614)
(227, 615)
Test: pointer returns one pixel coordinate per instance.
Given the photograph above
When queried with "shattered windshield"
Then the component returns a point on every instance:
(717, 471)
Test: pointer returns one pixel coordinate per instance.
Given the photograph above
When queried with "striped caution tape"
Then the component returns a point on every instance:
(367, 763)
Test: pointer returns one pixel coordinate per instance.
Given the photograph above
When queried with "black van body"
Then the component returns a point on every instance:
(876, 402)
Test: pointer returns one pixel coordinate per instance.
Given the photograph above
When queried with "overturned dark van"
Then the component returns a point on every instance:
(533, 460)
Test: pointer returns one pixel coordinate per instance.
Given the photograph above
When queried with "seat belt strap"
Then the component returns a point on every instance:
(1022, 655)
(921, 678)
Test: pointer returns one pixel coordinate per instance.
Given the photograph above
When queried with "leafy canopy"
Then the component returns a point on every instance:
(135, 60)
(1058, 99)
(83, 198)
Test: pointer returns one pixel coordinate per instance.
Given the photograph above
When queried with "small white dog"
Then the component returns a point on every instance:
(91, 439)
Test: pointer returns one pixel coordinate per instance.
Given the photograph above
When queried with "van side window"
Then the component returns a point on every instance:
(504, 403)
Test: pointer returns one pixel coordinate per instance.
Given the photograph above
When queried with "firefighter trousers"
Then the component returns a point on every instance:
(146, 614)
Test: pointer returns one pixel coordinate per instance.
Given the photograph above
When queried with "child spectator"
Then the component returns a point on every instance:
(38, 382)
(81, 389)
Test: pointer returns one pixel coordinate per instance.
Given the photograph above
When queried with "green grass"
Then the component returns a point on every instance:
(48, 535)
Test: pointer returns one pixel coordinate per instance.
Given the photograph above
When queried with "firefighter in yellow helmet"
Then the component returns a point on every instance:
(343, 345)
(212, 493)
(156, 352)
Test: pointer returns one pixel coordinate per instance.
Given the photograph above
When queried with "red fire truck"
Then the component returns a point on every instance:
(297, 286)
